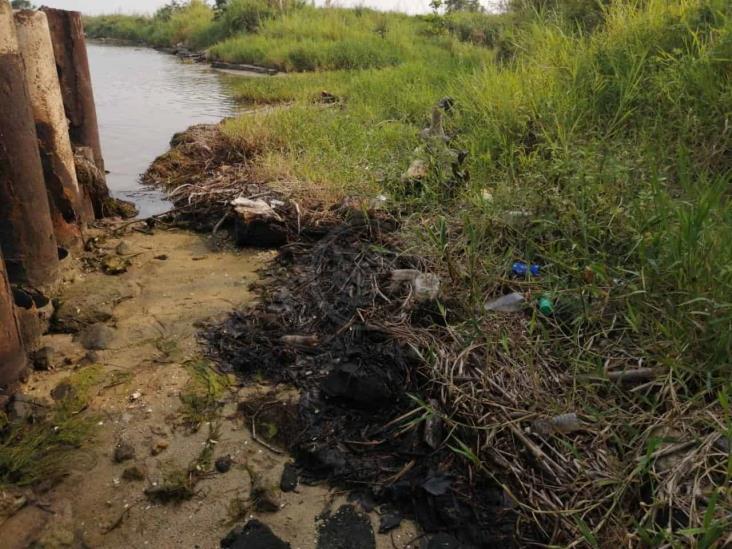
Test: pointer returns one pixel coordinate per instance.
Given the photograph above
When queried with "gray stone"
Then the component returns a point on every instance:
(123, 451)
(223, 464)
(27, 408)
(45, 358)
(123, 248)
(134, 472)
(96, 337)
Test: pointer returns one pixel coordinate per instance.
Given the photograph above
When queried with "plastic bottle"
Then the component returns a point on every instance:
(511, 303)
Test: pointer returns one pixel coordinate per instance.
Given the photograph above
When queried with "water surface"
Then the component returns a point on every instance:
(143, 97)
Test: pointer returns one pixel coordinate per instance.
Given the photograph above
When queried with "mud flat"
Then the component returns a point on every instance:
(162, 414)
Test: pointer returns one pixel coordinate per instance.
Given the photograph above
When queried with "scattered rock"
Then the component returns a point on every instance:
(358, 387)
(114, 264)
(417, 171)
(11, 501)
(346, 529)
(81, 305)
(223, 464)
(123, 248)
(63, 391)
(161, 257)
(123, 451)
(159, 445)
(253, 535)
(45, 358)
(91, 357)
(26, 408)
(288, 482)
(96, 337)
(134, 472)
(389, 521)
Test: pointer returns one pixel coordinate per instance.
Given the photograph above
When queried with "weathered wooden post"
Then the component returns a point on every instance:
(12, 353)
(26, 233)
(67, 206)
(72, 63)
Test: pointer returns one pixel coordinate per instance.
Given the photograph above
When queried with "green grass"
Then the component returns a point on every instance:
(297, 38)
(608, 131)
(615, 144)
(43, 450)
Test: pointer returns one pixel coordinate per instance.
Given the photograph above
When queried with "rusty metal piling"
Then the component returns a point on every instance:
(26, 234)
(12, 352)
(65, 199)
(72, 62)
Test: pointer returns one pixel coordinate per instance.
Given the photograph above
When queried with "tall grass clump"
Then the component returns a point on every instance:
(308, 39)
(598, 145)
(603, 156)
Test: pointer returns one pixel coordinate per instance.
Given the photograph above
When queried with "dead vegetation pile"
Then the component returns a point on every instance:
(455, 422)
(336, 322)
(461, 418)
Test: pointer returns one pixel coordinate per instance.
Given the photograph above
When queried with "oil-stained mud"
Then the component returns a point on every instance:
(329, 321)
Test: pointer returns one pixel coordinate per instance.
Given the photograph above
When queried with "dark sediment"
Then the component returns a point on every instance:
(330, 323)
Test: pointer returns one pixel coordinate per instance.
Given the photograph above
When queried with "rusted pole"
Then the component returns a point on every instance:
(26, 233)
(65, 199)
(12, 353)
(69, 46)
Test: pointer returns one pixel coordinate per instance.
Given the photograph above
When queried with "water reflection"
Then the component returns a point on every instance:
(143, 97)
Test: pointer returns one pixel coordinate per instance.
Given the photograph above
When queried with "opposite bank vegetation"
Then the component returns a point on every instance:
(592, 139)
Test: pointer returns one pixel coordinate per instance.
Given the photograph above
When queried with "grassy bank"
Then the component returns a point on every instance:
(295, 38)
(598, 147)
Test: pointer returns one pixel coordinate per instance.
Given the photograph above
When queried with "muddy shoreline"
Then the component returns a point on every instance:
(203, 393)
(193, 56)
(335, 321)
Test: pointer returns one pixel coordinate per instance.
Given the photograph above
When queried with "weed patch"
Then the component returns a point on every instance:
(42, 450)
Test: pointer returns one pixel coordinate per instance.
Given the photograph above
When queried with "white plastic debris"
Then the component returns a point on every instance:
(511, 303)
(426, 287)
(252, 209)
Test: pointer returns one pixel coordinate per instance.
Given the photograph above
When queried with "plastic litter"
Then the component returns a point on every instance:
(521, 269)
(546, 306)
(511, 303)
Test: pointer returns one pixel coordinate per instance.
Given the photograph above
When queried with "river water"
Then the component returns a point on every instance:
(143, 97)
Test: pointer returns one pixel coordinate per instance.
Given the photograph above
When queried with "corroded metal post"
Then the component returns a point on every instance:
(26, 233)
(69, 46)
(12, 353)
(65, 199)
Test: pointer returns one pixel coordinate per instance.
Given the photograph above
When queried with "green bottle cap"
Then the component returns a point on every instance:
(546, 307)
